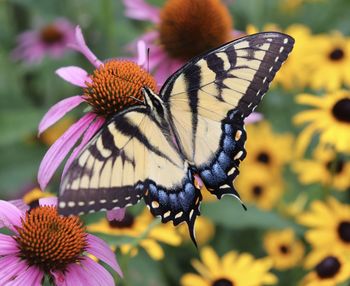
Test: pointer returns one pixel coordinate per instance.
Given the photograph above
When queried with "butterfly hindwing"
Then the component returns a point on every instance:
(211, 96)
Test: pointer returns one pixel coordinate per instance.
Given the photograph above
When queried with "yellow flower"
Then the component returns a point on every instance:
(138, 227)
(283, 248)
(257, 185)
(34, 195)
(328, 63)
(330, 118)
(232, 269)
(329, 224)
(56, 131)
(329, 268)
(326, 168)
(266, 147)
(205, 230)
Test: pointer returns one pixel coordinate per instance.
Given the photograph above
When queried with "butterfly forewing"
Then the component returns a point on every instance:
(209, 98)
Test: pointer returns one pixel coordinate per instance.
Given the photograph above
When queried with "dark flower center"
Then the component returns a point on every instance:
(222, 282)
(263, 157)
(191, 27)
(257, 191)
(335, 166)
(115, 84)
(126, 222)
(50, 241)
(328, 267)
(337, 54)
(344, 231)
(51, 35)
(284, 249)
(341, 110)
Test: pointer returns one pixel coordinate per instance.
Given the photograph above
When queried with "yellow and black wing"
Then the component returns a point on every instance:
(129, 159)
(210, 96)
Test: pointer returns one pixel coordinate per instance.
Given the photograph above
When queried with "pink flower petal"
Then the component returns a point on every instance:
(98, 274)
(10, 215)
(81, 46)
(89, 133)
(57, 111)
(59, 150)
(140, 10)
(117, 214)
(73, 276)
(8, 245)
(142, 53)
(253, 117)
(75, 75)
(51, 201)
(20, 204)
(32, 276)
(10, 266)
(100, 249)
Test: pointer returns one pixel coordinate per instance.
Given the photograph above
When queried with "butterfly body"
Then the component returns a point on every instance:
(192, 133)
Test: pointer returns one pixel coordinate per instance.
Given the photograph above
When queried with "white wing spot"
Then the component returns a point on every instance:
(238, 155)
(285, 41)
(103, 201)
(155, 204)
(166, 214)
(115, 201)
(62, 205)
(81, 204)
(178, 215)
(91, 203)
(238, 135)
(271, 68)
(127, 198)
(231, 171)
(91, 211)
(71, 204)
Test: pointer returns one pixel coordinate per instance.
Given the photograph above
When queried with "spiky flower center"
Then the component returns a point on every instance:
(50, 35)
(115, 85)
(50, 241)
(336, 54)
(344, 231)
(328, 267)
(341, 110)
(191, 27)
(222, 282)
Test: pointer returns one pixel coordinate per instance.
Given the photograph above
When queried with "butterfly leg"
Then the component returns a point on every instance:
(179, 204)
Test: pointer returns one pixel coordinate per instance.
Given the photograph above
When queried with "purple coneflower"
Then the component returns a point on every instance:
(112, 86)
(185, 28)
(51, 40)
(45, 243)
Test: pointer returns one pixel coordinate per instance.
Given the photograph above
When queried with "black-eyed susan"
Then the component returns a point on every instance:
(326, 167)
(329, 225)
(329, 268)
(257, 185)
(283, 248)
(233, 269)
(204, 228)
(330, 118)
(267, 148)
(328, 63)
(138, 228)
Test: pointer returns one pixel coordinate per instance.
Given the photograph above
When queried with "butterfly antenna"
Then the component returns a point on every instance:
(148, 52)
(134, 98)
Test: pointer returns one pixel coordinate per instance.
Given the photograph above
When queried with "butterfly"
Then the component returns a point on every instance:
(190, 135)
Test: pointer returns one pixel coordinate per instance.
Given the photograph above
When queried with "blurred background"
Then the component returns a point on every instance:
(295, 179)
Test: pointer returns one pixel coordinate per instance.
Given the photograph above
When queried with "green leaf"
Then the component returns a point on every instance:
(16, 125)
(228, 213)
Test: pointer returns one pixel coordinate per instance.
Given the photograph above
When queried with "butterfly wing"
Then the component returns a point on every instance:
(129, 159)
(209, 98)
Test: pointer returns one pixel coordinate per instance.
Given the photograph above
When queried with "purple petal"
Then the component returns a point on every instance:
(10, 266)
(142, 53)
(117, 214)
(57, 111)
(10, 215)
(74, 75)
(89, 133)
(50, 201)
(59, 150)
(83, 48)
(8, 245)
(20, 204)
(100, 249)
(140, 10)
(253, 117)
(97, 273)
(32, 276)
